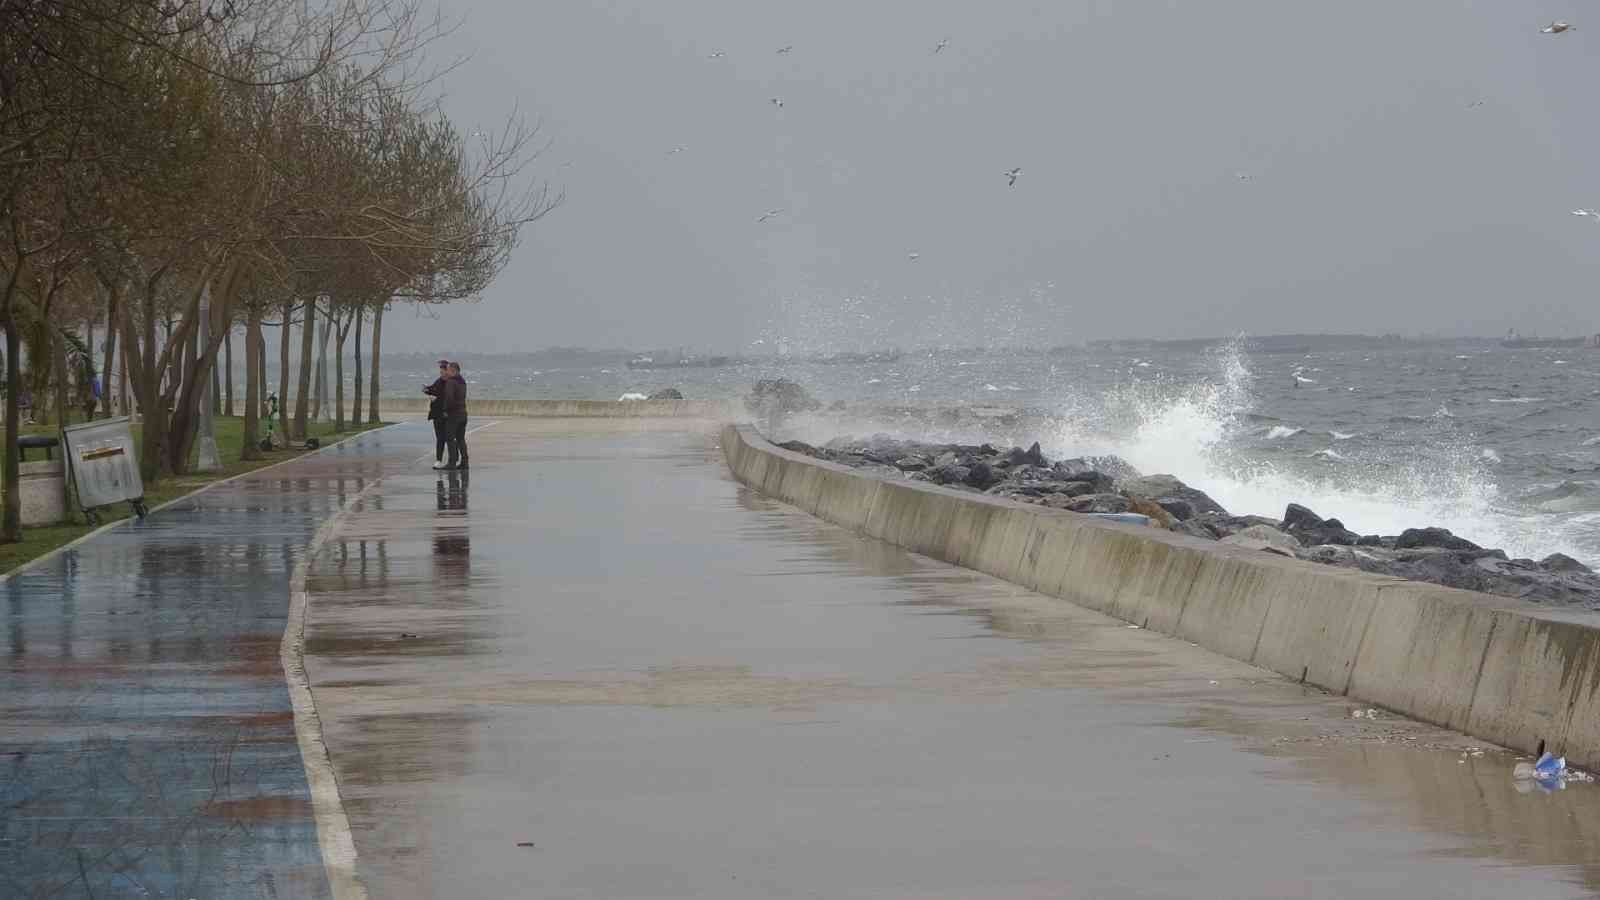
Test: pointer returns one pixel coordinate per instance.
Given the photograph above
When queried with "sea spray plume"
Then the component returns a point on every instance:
(1197, 431)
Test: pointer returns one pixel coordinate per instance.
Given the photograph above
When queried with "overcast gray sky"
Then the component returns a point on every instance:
(1379, 197)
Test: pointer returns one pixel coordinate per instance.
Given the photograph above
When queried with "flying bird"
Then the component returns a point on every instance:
(941, 45)
(716, 54)
(776, 101)
(1555, 28)
(676, 150)
(1244, 176)
(1012, 177)
(1587, 214)
(913, 256)
(1474, 104)
(769, 214)
(785, 49)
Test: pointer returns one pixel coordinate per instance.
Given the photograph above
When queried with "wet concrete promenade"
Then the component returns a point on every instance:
(598, 667)
(147, 746)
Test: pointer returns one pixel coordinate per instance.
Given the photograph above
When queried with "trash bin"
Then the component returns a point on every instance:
(104, 469)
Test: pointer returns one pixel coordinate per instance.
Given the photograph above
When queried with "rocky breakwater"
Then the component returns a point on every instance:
(1108, 485)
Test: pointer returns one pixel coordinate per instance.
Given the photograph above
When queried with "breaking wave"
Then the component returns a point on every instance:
(1201, 432)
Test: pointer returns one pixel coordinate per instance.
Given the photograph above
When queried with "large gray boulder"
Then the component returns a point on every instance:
(1487, 571)
(1413, 538)
(1100, 503)
(1264, 537)
(1187, 502)
(1312, 530)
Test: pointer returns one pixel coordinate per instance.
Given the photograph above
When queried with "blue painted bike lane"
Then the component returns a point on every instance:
(147, 742)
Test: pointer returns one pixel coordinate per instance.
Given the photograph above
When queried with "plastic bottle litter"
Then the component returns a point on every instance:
(1548, 773)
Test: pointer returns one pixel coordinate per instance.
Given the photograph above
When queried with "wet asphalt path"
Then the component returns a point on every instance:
(147, 746)
(596, 667)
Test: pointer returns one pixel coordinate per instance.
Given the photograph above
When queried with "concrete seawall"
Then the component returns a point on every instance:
(584, 409)
(1496, 668)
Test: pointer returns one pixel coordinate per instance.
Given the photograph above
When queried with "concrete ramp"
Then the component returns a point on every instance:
(1510, 672)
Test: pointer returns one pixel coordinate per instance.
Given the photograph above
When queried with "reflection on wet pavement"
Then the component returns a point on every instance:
(147, 747)
(672, 687)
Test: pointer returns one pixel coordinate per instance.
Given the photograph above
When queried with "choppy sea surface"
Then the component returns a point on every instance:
(1502, 446)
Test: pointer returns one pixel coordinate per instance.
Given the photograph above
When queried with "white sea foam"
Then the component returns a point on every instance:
(1341, 435)
(1196, 432)
(1489, 454)
(1329, 453)
(1283, 431)
(1517, 400)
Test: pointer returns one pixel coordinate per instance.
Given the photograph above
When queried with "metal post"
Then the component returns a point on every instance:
(209, 460)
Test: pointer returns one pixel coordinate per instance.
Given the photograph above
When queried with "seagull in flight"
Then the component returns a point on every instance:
(913, 256)
(776, 101)
(769, 214)
(676, 150)
(784, 50)
(1555, 28)
(1012, 176)
(1474, 104)
(1587, 214)
(717, 54)
(941, 45)
(1244, 176)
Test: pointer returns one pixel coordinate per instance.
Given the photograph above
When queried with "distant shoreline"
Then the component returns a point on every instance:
(1266, 343)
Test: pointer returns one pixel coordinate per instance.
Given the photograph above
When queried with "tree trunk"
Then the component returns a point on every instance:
(341, 330)
(10, 471)
(186, 413)
(111, 352)
(216, 391)
(308, 337)
(122, 384)
(58, 363)
(227, 380)
(87, 390)
(144, 367)
(261, 366)
(190, 358)
(254, 343)
(319, 390)
(283, 363)
(355, 413)
(377, 344)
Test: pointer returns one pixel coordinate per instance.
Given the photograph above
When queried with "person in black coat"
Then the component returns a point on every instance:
(455, 413)
(441, 435)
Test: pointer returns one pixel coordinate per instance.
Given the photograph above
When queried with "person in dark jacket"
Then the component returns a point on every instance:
(455, 413)
(441, 436)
